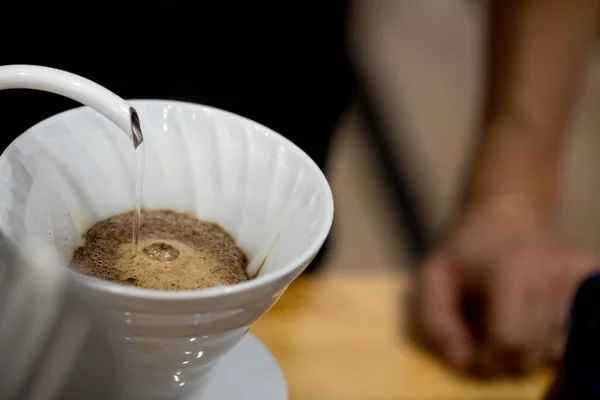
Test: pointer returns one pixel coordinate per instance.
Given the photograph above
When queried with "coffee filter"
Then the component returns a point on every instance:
(76, 168)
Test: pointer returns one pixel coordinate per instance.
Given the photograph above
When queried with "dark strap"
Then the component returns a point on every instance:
(579, 376)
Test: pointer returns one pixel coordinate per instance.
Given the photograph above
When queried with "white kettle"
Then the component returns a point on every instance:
(52, 341)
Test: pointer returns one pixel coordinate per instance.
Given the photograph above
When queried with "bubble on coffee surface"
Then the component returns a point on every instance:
(161, 252)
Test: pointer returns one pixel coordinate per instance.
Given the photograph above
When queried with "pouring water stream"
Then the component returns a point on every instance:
(89, 94)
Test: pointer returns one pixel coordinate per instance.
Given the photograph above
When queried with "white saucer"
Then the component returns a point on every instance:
(247, 372)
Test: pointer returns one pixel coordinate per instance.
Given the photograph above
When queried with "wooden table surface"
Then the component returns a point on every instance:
(342, 337)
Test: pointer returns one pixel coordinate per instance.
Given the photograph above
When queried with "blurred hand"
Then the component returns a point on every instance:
(494, 297)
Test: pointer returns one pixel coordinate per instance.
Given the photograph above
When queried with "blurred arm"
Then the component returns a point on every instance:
(537, 53)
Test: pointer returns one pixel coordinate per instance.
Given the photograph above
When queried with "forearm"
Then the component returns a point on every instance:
(537, 53)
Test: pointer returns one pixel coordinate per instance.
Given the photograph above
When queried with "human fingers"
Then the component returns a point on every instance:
(439, 312)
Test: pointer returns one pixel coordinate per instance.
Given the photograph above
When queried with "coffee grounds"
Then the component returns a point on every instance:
(203, 254)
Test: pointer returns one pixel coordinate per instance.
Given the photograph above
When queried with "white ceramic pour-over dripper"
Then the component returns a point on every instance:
(75, 168)
(77, 88)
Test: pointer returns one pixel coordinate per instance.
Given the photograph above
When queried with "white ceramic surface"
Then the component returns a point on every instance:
(247, 372)
(76, 168)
